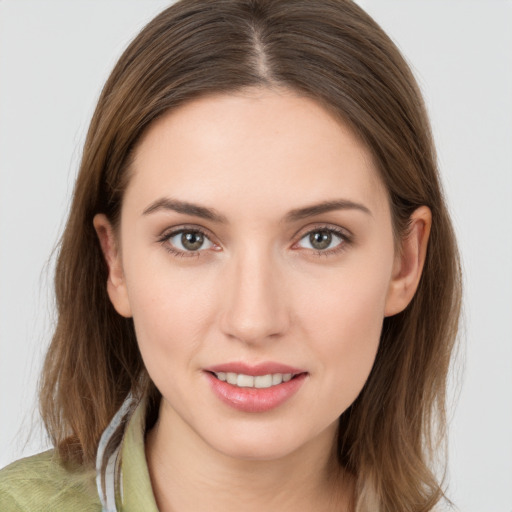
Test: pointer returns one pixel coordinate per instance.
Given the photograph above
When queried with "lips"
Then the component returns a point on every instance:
(255, 370)
(255, 388)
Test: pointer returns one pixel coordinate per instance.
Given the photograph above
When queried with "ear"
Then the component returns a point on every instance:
(116, 285)
(409, 262)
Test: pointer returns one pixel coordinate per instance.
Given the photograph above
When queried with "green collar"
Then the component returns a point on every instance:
(136, 484)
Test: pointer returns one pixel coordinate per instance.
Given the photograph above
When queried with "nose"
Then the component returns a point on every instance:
(254, 299)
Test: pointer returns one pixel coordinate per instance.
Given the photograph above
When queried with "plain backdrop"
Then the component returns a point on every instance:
(54, 58)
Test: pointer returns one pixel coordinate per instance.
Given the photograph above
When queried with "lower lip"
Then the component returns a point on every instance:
(255, 399)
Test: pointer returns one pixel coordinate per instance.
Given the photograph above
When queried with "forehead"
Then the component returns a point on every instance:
(253, 150)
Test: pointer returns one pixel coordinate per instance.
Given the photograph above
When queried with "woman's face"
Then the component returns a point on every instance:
(255, 242)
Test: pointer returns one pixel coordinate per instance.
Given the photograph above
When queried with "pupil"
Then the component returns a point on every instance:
(192, 241)
(320, 239)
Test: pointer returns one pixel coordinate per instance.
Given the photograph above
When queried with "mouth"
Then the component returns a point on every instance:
(255, 388)
(241, 380)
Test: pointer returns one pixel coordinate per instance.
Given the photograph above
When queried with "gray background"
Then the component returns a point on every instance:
(54, 58)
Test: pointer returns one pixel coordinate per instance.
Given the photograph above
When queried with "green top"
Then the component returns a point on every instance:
(40, 483)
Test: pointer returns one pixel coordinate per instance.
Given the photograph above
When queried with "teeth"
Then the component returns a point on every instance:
(263, 381)
(245, 381)
(248, 381)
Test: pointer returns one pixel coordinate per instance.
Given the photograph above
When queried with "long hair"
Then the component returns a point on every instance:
(333, 52)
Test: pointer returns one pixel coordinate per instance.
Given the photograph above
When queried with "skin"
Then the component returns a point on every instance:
(256, 290)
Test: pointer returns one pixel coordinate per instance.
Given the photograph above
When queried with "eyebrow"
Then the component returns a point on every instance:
(324, 207)
(211, 214)
(187, 208)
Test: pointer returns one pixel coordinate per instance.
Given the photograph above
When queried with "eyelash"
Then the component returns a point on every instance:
(345, 240)
(164, 239)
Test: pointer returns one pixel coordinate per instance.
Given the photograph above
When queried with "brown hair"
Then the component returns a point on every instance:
(329, 50)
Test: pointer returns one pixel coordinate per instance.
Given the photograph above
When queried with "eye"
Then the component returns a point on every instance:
(186, 242)
(324, 240)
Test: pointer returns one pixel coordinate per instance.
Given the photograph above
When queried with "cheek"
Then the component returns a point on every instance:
(345, 320)
(171, 313)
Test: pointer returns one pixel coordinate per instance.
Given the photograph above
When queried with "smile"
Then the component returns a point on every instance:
(249, 381)
(255, 388)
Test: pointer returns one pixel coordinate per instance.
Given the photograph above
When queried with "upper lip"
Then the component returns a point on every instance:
(265, 368)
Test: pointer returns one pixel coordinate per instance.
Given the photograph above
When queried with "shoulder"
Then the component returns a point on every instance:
(41, 483)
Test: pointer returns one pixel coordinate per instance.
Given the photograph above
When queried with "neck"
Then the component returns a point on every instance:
(188, 474)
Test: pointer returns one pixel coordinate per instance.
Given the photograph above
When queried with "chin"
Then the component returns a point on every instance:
(259, 443)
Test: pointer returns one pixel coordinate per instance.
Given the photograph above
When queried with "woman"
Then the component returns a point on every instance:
(258, 285)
